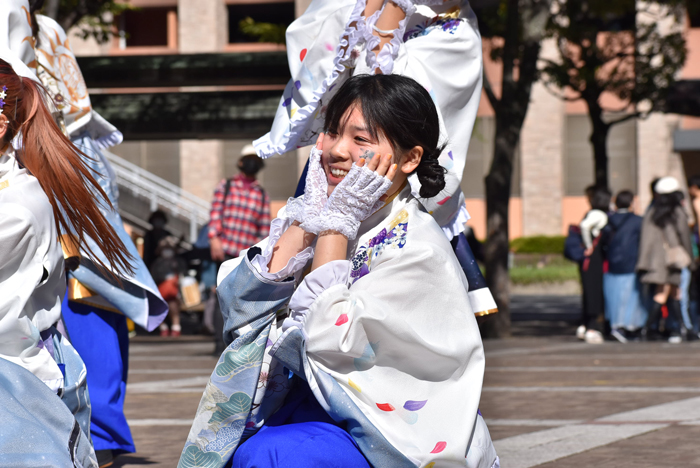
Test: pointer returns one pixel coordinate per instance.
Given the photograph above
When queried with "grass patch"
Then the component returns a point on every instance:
(538, 245)
(546, 274)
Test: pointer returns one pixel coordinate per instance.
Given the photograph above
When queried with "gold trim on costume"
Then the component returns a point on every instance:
(486, 312)
(69, 246)
(4, 184)
(80, 293)
(76, 290)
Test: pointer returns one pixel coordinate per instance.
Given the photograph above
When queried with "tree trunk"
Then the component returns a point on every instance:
(51, 8)
(599, 140)
(525, 25)
(498, 185)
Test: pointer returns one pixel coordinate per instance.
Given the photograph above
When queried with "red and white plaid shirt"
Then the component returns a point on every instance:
(240, 218)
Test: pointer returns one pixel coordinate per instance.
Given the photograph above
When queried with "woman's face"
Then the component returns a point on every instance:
(352, 142)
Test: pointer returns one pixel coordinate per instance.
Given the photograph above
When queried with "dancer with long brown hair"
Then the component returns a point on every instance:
(94, 311)
(45, 188)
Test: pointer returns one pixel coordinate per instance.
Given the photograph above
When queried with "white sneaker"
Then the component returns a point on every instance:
(593, 337)
(581, 332)
(619, 335)
(675, 339)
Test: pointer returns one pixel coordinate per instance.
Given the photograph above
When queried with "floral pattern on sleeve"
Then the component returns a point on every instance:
(391, 237)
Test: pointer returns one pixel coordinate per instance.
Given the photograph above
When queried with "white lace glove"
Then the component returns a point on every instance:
(352, 201)
(315, 193)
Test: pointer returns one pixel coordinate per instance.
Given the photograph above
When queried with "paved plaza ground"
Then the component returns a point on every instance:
(549, 400)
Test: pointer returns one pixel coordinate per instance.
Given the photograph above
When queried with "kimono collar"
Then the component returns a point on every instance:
(7, 163)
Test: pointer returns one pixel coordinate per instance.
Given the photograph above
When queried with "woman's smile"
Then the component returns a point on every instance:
(337, 175)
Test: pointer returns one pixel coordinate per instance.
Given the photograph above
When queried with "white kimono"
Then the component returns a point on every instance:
(32, 279)
(393, 328)
(439, 46)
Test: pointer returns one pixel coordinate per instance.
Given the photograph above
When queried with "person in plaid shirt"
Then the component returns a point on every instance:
(240, 211)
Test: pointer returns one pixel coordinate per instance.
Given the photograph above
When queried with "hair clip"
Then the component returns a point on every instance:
(3, 95)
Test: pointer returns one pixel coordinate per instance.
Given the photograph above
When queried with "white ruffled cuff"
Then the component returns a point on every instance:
(294, 265)
(344, 51)
(385, 59)
(456, 226)
(406, 5)
(324, 277)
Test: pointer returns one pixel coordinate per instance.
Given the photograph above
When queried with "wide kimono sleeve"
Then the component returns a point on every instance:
(23, 315)
(247, 386)
(393, 348)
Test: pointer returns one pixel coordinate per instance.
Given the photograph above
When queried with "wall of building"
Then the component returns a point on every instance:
(552, 167)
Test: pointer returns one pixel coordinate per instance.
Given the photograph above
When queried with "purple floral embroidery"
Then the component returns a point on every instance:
(449, 25)
(396, 238)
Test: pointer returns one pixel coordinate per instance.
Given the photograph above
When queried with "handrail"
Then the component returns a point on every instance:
(160, 193)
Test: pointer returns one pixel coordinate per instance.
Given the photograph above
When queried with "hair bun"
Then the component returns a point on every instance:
(431, 174)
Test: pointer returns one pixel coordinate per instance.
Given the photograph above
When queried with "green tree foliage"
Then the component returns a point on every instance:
(263, 32)
(630, 49)
(92, 18)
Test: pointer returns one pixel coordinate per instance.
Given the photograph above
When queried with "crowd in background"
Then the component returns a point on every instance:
(638, 273)
(239, 218)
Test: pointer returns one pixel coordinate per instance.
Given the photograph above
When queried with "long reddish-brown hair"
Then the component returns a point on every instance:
(58, 166)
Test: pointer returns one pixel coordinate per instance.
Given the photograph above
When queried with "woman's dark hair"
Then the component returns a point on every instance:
(250, 165)
(158, 214)
(664, 207)
(624, 199)
(399, 109)
(600, 199)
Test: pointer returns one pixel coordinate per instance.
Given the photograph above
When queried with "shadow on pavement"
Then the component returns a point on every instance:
(545, 315)
(127, 460)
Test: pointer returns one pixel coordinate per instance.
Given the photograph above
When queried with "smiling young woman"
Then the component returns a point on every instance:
(357, 292)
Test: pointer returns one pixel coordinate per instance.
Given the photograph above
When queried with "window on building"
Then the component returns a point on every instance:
(578, 160)
(479, 159)
(694, 14)
(278, 13)
(148, 27)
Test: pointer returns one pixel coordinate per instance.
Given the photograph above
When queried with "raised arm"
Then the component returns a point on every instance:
(387, 23)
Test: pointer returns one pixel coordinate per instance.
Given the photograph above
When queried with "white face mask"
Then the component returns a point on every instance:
(167, 253)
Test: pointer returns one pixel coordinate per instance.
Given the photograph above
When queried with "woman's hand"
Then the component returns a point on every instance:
(355, 198)
(295, 239)
(316, 190)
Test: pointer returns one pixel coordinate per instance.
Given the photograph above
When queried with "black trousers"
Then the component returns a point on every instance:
(593, 301)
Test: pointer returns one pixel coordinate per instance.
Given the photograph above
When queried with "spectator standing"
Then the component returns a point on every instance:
(239, 218)
(166, 270)
(665, 249)
(620, 240)
(151, 240)
(240, 211)
(694, 287)
(592, 266)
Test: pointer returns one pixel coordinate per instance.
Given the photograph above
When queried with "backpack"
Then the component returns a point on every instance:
(573, 245)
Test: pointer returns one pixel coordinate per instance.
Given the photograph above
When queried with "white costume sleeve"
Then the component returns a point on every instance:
(401, 340)
(591, 226)
(16, 31)
(295, 264)
(21, 274)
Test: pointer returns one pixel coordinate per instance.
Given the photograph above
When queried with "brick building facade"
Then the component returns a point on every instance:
(554, 162)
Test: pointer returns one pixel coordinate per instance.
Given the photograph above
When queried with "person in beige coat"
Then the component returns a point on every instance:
(664, 250)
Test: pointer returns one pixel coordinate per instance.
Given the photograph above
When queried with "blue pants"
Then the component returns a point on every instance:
(300, 434)
(102, 340)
